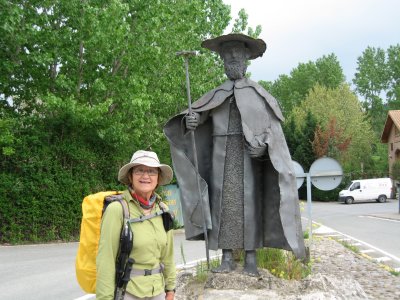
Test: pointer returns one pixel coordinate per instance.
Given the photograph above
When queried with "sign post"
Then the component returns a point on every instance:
(325, 174)
(398, 192)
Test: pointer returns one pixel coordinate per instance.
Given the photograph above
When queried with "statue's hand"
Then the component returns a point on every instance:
(192, 120)
(256, 151)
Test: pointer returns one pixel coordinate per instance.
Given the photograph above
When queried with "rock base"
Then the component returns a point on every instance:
(236, 285)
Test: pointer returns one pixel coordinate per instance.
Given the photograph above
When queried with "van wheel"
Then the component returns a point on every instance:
(349, 200)
(382, 199)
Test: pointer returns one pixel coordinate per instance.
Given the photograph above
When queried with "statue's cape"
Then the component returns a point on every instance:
(281, 213)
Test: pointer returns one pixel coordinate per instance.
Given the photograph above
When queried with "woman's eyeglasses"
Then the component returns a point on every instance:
(150, 172)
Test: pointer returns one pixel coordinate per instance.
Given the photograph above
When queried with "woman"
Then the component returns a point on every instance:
(152, 245)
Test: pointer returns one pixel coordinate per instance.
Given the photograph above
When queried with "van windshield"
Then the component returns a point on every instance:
(349, 185)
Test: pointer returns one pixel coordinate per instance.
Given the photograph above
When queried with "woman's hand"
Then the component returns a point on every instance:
(170, 295)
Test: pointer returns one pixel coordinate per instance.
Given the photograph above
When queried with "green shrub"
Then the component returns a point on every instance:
(396, 170)
(43, 183)
(282, 264)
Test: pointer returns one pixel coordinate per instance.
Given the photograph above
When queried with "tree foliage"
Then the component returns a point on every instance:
(393, 62)
(241, 25)
(300, 137)
(292, 89)
(396, 170)
(82, 85)
(85, 83)
(341, 105)
(331, 141)
(377, 80)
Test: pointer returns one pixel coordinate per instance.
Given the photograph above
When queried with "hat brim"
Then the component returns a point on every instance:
(165, 176)
(257, 47)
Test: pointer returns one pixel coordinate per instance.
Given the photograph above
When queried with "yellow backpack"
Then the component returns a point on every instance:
(93, 207)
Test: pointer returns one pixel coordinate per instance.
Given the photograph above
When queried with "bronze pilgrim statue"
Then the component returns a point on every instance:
(245, 172)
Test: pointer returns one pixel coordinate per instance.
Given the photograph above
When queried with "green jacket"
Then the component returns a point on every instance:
(151, 246)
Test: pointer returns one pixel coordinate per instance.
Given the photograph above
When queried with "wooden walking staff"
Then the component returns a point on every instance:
(186, 55)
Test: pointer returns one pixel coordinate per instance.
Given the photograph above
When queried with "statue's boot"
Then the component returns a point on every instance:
(250, 264)
(227, 263)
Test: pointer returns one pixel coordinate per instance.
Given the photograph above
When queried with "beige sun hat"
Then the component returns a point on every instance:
(146, 158)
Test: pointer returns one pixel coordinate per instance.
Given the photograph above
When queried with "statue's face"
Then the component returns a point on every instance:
(235, 54)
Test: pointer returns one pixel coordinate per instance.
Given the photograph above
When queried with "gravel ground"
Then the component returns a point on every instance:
(337, 273)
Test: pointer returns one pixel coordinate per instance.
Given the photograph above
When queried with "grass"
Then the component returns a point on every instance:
(349, 246)
(202, 269)
(176, 225)
(357, 250)
(390, 270)
(183, 254)
(280, 263)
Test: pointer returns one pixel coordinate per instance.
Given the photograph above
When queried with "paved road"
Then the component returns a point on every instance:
(41, 272)
(376, 224)
(38, 272)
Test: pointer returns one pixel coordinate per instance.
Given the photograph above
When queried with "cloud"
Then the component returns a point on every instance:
(299, 31)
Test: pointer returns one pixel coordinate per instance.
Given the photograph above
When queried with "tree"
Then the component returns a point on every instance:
(304, 151)
(299, 138)
(377, 80)
(372, 80)
(342, 105)
(393, 61)
(292, 89)
(241, 24)
(331, 141)
(396, 171)
(82, 84)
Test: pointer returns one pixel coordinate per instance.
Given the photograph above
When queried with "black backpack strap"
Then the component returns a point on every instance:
(124, 262)
(168, 217)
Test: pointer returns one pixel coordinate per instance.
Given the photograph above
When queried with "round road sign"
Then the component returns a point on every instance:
(298, 170)
(326, 173)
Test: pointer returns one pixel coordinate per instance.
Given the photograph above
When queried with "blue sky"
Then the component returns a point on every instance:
(297, 31)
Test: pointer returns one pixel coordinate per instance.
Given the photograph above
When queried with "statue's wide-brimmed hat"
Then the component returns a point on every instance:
(146, 158)
(257, 47)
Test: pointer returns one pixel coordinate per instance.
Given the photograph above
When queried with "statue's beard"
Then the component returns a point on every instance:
(235, 70)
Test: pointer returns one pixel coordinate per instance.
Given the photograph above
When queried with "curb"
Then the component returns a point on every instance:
(342, 238)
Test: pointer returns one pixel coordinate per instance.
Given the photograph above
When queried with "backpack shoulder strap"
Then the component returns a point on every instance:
(120, 199)
(143, 218)
(167, 216)
(163, 208)
(125, 208)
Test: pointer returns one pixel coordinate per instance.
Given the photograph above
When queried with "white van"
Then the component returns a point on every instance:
(378, 189)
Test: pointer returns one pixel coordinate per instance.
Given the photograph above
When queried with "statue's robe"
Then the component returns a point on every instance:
(271, 215)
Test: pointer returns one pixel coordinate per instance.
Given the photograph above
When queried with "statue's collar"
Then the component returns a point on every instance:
(238, 83)
(242, 82)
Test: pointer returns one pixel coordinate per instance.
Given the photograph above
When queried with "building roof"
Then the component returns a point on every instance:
(392, 118)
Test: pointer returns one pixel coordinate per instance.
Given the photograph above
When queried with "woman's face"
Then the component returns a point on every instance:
(144, 180)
